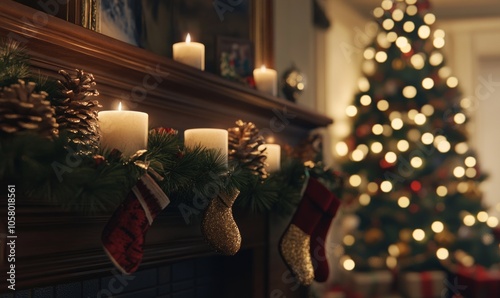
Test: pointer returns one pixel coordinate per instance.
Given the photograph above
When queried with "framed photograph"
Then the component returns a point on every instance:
(235, 59)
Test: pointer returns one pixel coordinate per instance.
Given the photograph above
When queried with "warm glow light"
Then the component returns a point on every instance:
(424, 31)
(409, 92)
(427, 138)
(372, 187)
(444, 72)
(382, 40)
(393, 250)
(120, 106)
(398, 15)
(482, 216)
(391, 262)
(427, 83)
(364, 199)
(357, 155)
(416, 162)
(411, 2)
(363, 84)
(406, 49)
(387, 130)
(492, 222)
(365, 100)
(376, 147)
(420, 119)
(444, 146)
(441, 191)
(409, 26)
(378, 12)
(386, 186)
(438, 42)
(351, 111)
(390, 157)
(188, 38)
(403, 202)
(469, 220)
(355, 180)
(462, 187)
(442, 253)
(418, 61)
(429, 18)
(459, 118)
(341, 148)
(388, 24)
(459, 172)
(349, 263)
(392, 36)
(397, 124)
(411, 10)
(403, 145)
(386, 4)
(394, 114)
(401, 41)
(465, 103)
(471, 172)
(427, 110)
(383, 105)
(363, 148)
(470, 161)
(412, 113)
(461, 148)
(439, 33)
(369, 53)
(381, 57)
(436, 58)
(418, 234)
(377, 129)
(437, 227)
(348, 240)
(413, 135)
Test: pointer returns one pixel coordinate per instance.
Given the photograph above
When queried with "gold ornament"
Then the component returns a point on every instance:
(76, 112)
(218, 225)
(294, 248)
(244, 141)
(22, 109)
(373, 235)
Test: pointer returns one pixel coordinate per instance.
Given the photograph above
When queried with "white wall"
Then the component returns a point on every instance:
(473, 52)
(294, 42)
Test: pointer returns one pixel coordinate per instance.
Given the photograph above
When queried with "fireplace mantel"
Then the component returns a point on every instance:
(56, 246)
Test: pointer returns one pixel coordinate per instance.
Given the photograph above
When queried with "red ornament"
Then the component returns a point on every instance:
(98, 160)
(384, 164)
(415, 186)
(165, 130)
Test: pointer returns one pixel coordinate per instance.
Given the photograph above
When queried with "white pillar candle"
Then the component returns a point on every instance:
(190, 53)
(266, 80)
(208, 138)
(126, 131)
(273, 160)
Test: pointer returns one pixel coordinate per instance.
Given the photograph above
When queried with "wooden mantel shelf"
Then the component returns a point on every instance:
(150, 81)
(55, 246)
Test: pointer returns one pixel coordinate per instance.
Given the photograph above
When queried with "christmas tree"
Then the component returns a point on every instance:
(413, 180)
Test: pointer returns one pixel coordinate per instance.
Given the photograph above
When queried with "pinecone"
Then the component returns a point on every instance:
(22, 109)
(244, 141)
(76, 112)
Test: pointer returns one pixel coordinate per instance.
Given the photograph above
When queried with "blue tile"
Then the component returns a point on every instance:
(47, 292)
(164, 275)
(90, 288)
(183, 270)
(73, 290)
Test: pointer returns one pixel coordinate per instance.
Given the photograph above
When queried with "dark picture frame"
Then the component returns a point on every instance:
(235, 59)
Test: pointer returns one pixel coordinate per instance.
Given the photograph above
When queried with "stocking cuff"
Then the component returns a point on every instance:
(153, 200)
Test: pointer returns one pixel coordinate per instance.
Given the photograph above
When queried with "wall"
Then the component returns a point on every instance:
(473, 53)
(294, 43)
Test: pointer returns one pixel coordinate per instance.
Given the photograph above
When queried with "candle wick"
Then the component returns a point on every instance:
(188, 38)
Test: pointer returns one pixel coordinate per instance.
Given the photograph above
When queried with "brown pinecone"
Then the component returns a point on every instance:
(76, 111)
(21, 109)
(244, 141)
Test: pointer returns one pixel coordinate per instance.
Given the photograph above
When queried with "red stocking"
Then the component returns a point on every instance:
(124, 234)
(295, 242)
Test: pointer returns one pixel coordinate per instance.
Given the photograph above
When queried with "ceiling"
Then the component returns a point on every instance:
(444, 9)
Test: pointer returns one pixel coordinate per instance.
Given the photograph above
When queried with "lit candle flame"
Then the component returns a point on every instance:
(263, 68)
(188, 38)
(120, 106)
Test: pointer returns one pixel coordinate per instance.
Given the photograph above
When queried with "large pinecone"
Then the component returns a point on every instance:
(76, 111)
(21, 109)
(244, 141)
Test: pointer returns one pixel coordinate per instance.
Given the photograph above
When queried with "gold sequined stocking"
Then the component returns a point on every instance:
(218, 225)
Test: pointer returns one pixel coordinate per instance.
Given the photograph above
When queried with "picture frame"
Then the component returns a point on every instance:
(235, 59)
